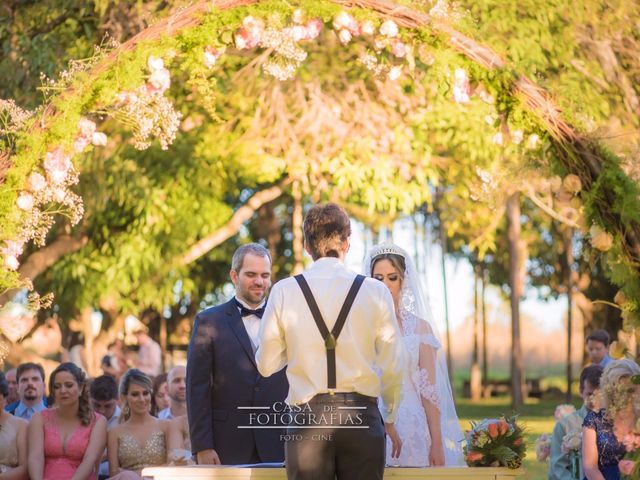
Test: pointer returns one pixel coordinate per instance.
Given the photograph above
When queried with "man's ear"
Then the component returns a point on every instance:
(234, 276)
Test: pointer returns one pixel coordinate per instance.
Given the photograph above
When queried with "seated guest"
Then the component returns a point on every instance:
(598, 348)
(30, 378)
(13, 440)
(141, 440)
(177, 389)
(601, 450)
(67, 441)
(160, 396)
(104, 400)
(180, 454)
(13, 387)
(559, 461)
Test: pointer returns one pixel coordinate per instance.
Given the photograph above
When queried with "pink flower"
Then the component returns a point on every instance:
(626, 466)
(155, 63)
(399, 49)
(159, 81)
(99, 139)
(211, 56)
(57, 166)
(298, 32)
(389, 29)
(25, 201)
(367, 27)
(498, 139)
(344, 36)
(563, 410)
(314, 27)
(86, 128)
(395, 73)
(345, 21)
(80, 144)
(13, 248)
(461, 87)
(36, 182)
(250, 34)
(59, 194)
(11, 262)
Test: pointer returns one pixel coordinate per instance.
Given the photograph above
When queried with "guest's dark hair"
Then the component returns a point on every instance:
(396, 260)
(591, 374)
(23, 367)
(131, 377)
(104, 388)
(325, 228)
(253, 248)
(157, 383)
(599, 336)
(4, 386)
(85, 413)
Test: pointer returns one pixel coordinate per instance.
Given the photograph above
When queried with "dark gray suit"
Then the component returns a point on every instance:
(222, 376)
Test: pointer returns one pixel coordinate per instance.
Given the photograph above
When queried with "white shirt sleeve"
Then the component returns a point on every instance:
(271, 356)
(391, 358)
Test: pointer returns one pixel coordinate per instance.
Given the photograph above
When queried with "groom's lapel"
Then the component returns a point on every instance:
(235, 322)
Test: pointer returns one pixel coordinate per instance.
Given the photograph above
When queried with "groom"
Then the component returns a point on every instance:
(224, 388)
(331, 326)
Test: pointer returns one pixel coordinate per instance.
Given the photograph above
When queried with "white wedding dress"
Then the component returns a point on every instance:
(426, 377)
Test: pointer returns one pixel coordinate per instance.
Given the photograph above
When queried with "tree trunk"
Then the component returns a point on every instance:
(485, 362)
(515, 282)
(476, 380)
(296, 227)
(567, 234)
(443, 246)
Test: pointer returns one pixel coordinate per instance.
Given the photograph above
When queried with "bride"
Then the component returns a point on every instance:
(427, 422)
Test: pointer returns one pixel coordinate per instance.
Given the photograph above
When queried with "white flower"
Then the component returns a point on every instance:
(532, 141)
(486, 97)
(298, 32)
(36, 182)
(13, 248)
(57, 165)
(159, 81)
(86, 128)
(367, 28)
(211, 56)
(240, 41)
(59, 194)
(498, 139)
(80, 144)
(25, 201)
(600, 239)
(155, 63)
(345, 21)
(517, 136)
(11, 262)
(389, 29)
(99, 139)
(461, 87)
(345, 36)
(297, 16)
(394, 73)
(314, 27)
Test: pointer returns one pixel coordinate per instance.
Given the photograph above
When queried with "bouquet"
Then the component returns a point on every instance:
(630, 465)
(572, 442)
(543, 447)
(495, 443)
(563, 410)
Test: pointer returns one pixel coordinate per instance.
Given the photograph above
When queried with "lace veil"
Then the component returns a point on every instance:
(414, 301)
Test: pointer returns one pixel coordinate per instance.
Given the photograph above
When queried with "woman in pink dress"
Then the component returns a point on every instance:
(66, 441)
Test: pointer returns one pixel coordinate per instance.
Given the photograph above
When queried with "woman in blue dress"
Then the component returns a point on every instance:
(601, 450)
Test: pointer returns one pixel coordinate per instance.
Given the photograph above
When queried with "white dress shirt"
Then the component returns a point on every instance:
(370, 340)
(252, 324)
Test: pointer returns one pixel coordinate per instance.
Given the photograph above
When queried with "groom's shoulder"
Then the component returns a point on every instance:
(213, 312)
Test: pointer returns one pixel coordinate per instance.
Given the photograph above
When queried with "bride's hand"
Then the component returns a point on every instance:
(396, 443)
(436, 455)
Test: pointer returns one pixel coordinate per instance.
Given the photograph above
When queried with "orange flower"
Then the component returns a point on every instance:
(518, 441)
(493, 430)
(474, 456)
(503, 427)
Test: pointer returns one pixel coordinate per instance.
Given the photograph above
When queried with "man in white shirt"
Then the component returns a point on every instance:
(224, 388)
(335, 429)
(177, 388)
(149, 354)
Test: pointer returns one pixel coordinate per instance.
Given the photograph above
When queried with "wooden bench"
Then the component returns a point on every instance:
(206, 472)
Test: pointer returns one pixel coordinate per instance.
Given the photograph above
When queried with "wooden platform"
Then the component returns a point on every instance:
(202, 472)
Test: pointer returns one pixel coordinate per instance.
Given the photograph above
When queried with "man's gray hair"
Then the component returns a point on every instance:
(241, 252)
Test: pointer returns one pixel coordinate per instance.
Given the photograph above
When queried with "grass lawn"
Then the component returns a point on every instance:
(536, 415)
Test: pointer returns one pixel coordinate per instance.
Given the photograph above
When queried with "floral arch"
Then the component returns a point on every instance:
(404, 82)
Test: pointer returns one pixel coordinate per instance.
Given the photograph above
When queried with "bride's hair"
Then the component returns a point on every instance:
(396, 260)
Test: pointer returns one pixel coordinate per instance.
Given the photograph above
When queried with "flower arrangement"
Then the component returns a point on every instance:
(495, 443)
(543, 447)
(562, 411)
(572, 442)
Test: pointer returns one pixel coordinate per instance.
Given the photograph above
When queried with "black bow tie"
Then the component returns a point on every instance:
(244, 311)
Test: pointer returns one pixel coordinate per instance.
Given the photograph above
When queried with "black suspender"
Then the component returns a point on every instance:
(330, 337)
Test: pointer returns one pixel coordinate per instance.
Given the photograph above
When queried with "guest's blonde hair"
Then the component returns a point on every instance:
(616, 393)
